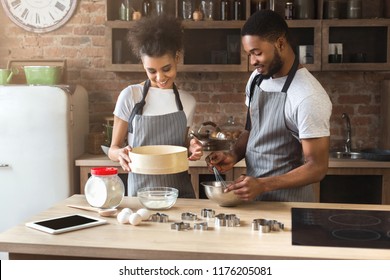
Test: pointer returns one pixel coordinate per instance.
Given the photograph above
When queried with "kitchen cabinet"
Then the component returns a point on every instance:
(365, 44)
(378, 170)
(209, 46)
(215, 45)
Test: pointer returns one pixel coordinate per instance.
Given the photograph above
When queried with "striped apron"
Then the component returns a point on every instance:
(168, 129)
(272, 148)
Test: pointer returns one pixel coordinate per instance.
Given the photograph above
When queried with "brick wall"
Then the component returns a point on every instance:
(220, 95)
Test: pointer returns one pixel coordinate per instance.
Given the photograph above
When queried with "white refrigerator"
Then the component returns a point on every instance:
(42, 132)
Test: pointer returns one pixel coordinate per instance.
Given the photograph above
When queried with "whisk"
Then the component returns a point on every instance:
(219, 178)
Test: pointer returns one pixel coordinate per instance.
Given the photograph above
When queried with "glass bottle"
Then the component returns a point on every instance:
(271, 5)
(207, 7)
(257, 5)
(146, 8)
(187, 9)
(237, 8)
(125, 10)
(225, 10)
(160, 7)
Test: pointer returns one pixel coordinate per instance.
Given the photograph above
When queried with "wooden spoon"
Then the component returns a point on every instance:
(102, 212)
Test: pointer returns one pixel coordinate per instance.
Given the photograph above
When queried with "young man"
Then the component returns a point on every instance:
(286, 141)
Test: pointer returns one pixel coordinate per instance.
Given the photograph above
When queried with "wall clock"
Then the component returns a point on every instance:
(39, 15)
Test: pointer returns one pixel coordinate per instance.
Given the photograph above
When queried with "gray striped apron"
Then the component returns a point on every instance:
(272, 148)
(169, 129)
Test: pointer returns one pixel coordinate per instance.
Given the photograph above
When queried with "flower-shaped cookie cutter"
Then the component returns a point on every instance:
(226, 220)
(207, 213)
(180, 226)
(159, 218)
(265, 226)
(187, 216)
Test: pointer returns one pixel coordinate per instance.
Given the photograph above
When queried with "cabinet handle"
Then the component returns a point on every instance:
(4, 165)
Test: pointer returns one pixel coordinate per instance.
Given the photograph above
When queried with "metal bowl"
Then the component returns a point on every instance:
(214, 191)
(157, 198)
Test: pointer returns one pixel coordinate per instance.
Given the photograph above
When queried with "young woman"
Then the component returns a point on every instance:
(154, 112)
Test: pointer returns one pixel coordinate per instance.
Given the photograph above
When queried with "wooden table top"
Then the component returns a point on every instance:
(151, 240)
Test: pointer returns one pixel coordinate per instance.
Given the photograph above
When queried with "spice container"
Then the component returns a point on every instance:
(187, 9)
(331, 9)
(225, 10)
(237, 9)
(354, 9)
(258, 5)
(160, 7)
(288, 10)
(104, 189)
(207, 8)
(125, 10)
(304, 9)
(146, 8)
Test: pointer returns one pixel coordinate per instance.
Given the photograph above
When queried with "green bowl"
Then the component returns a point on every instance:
(43, 75)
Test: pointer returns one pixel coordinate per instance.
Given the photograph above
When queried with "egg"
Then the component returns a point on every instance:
(135, 219)
(123, 217)
(128, 210)
(144, 213)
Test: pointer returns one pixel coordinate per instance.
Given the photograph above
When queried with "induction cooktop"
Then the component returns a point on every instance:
(341, 228)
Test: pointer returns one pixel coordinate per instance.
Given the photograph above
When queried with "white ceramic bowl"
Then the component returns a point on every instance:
(158, 159)
(157, 198)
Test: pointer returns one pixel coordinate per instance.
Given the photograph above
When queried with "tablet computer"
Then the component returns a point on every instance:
(66, 223)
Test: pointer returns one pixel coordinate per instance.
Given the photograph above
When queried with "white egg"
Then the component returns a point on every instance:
(135, 219)
(144, 213)
(123, 217)
(128, 210)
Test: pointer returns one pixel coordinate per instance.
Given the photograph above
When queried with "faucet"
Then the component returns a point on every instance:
(348, 140)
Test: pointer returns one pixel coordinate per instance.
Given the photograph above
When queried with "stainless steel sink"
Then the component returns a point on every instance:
(346, 155)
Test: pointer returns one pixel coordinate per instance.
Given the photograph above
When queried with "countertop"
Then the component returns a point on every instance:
(103, 160)
(151, 240)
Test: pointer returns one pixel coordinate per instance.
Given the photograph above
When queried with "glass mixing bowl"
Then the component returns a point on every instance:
(157, 198)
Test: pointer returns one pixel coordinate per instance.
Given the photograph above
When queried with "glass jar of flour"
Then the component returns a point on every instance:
(104, 189)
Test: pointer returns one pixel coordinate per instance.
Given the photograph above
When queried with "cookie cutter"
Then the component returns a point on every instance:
(265, 226)
(180, 226)
(228, 220)
(159, 218)
(276, 225)
(201, 226)
(207, 213)
(187, 216)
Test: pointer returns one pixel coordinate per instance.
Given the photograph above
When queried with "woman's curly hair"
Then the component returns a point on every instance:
(156, 36)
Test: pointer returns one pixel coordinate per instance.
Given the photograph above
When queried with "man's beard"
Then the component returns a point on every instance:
(275, 66)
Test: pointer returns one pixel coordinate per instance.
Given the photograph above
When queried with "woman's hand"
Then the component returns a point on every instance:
(124, 159)
(195, 149)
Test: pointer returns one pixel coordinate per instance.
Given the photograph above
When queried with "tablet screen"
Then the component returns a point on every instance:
(66, 223)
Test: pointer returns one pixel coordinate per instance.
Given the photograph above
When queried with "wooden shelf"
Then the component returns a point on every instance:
(205, 47)
(368, 36)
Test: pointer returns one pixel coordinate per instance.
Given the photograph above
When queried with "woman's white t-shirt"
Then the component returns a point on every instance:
(158, 102)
